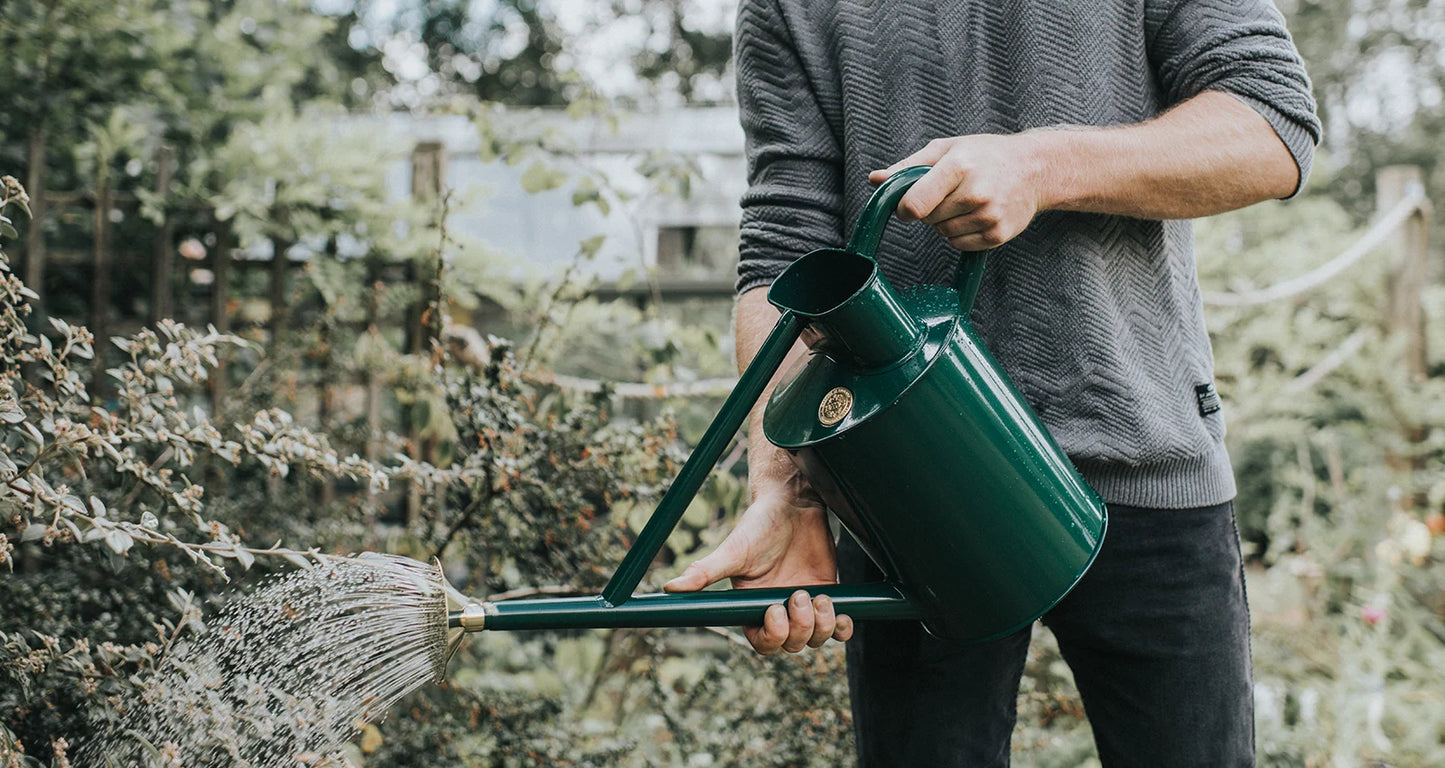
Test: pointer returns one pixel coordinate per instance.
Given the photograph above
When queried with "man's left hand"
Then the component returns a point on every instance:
(982, 192)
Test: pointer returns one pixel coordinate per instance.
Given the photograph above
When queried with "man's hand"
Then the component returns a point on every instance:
(781, 540)
(982, 192)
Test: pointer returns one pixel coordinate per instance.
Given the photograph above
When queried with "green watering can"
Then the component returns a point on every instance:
(914, 437)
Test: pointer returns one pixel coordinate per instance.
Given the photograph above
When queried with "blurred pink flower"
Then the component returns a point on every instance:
(1372, 614)
(192, 249)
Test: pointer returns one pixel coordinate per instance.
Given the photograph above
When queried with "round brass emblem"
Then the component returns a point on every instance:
(836, 404)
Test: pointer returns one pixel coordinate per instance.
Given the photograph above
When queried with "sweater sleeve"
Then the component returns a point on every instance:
(1240, 47)
(795, 193)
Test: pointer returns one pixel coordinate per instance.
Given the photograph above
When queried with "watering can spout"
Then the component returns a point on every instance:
(851, 314)
(713, 608)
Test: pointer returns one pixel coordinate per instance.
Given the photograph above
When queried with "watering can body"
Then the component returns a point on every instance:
(914, 437)
(930, 457)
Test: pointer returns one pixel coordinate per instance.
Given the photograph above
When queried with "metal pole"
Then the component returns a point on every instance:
(1405, 316)
(35, 228)
(220, 311)
(162, 304)
(100, 281)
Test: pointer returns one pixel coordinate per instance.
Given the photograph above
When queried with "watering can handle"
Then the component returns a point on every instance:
(868, 233)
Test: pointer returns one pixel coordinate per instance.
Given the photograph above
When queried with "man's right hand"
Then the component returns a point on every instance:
(781, 540)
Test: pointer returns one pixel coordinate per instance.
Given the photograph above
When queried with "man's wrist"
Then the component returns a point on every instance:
(1051, 155)
(789, 483)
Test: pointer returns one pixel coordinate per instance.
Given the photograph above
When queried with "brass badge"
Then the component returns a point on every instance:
(836, 404)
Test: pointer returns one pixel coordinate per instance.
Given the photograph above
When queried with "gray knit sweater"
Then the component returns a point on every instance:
(1097, 318)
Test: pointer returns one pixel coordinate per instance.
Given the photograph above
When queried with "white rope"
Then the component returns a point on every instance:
(1327, 365)
(1381, 229)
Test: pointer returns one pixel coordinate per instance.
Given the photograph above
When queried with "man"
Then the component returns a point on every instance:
(1072, 140)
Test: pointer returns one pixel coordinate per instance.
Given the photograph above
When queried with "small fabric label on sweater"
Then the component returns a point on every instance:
(1207, 397)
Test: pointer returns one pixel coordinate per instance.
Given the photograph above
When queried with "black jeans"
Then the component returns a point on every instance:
(1156, 633)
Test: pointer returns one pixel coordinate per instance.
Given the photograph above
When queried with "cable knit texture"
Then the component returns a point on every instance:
(1096, 318)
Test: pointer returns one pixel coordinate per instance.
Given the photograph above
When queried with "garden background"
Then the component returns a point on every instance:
(452, 277)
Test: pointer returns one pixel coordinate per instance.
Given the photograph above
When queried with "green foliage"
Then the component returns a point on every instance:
(1377, 72)
(118, 552)
(47, 43)
(501, 497)
(1345, 582)
(123, 519)
(640, 698)
(536, 52)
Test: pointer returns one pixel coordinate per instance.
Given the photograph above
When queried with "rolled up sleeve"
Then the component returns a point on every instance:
(794, 199)
(1240, 47)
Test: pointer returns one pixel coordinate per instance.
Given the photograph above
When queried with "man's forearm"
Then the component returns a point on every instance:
(1210, 154)
(768, 465)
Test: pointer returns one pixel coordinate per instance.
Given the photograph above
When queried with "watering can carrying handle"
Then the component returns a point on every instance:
(868, 233)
